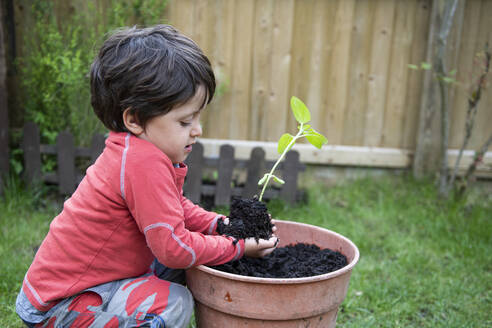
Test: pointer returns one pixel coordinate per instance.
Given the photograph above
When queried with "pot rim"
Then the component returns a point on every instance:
(278, 281)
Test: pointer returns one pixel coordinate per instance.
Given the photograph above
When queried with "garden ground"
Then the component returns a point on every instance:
(424, 262)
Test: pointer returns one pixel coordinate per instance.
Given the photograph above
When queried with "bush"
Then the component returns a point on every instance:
(54, 69)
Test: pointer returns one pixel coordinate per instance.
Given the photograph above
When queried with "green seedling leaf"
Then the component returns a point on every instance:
(316, 139)
(411, 66)
(309, 130)
(300, 110)
(448, 79)
(305, 127)
(277, 179)
(453, 72)
(283, 142)
(426, 66)
(262, 180)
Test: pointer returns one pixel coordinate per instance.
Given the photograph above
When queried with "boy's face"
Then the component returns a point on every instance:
(175, 132)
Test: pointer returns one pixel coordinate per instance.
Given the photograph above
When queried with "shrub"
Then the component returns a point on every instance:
(54, 69)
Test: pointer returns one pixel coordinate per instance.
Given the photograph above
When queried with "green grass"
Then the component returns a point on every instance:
(424, 263)
(24, 221)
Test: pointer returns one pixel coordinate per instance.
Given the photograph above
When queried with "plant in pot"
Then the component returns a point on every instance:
(301, 284)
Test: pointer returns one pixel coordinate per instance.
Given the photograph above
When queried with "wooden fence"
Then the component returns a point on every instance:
(220, 191)
(347, 59)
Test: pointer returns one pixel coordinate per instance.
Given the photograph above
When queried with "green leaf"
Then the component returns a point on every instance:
(316, 139)
(300, 110)
(277, 179)
(425, 65)
(283, 142)
(411, 66)
(448, 79)
(453, 72)
(305, 127)
(262, 180)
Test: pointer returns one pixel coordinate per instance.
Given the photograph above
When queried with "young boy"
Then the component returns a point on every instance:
(112, 256)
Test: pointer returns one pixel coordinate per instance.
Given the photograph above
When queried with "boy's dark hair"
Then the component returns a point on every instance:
(149, 70)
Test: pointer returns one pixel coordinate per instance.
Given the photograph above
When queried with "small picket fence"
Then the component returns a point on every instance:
(67, 176)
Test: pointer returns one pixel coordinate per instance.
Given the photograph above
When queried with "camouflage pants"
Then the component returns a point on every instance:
(151, 300)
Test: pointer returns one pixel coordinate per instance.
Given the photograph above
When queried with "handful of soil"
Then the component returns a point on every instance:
(292, 261)
(247, 218)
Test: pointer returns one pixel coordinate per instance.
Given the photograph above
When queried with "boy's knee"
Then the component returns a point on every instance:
(179, 308)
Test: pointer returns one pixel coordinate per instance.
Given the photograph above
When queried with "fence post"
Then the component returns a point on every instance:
(66, 163)
(290, 174)
(32, 154)
(225, 167)
(193, 184)
(97, 146)
(256, 165)
(4, 120)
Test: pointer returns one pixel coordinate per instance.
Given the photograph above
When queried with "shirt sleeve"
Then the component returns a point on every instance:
(155, 203)
(199, 219)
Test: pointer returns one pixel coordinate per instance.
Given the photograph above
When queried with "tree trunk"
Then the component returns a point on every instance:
(449, 10)
(432, 137)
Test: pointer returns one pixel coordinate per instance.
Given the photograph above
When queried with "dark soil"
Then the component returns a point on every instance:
(247, 218)
(250, 218)
(293, 261)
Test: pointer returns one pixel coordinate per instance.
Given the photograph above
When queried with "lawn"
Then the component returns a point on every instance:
(424, 262)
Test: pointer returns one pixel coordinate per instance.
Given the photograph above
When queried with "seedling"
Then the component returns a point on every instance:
(287, 141)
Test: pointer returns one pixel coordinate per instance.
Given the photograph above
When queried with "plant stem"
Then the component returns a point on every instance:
(471, 112)
(291, 143)
(479, 154)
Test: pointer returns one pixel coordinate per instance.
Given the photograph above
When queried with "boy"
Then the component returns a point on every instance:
(96, 266)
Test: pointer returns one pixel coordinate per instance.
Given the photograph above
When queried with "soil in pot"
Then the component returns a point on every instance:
(250, 218)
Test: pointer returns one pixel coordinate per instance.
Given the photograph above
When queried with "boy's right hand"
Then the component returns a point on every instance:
(261, 248)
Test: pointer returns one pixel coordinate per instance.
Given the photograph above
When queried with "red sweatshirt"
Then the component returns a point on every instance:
(127, 210)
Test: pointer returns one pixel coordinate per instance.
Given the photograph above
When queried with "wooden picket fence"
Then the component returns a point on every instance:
(68, 176)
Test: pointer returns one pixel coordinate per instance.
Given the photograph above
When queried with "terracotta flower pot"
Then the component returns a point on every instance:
(229, 300)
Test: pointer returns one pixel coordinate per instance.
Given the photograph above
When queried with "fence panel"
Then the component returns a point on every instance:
(256, 166)
(32, 153)
(290, 174)
(97, 146)
(193, 184)
(225, 168)
(66, 162)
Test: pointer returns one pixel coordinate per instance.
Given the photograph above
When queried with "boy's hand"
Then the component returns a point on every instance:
(261, 248)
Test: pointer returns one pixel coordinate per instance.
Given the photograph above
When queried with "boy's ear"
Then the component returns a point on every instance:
(131, 122)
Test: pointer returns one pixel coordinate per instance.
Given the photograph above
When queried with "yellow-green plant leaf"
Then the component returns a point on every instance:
(305, 127)
(411, 66)
(316, 139)
(277, 179)
(262, 180)
(426, 66)
(300, 110)
(448, 79)
(309, 130)
(283, 142)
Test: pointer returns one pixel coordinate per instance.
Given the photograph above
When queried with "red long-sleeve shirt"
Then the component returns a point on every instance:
(127, 210)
